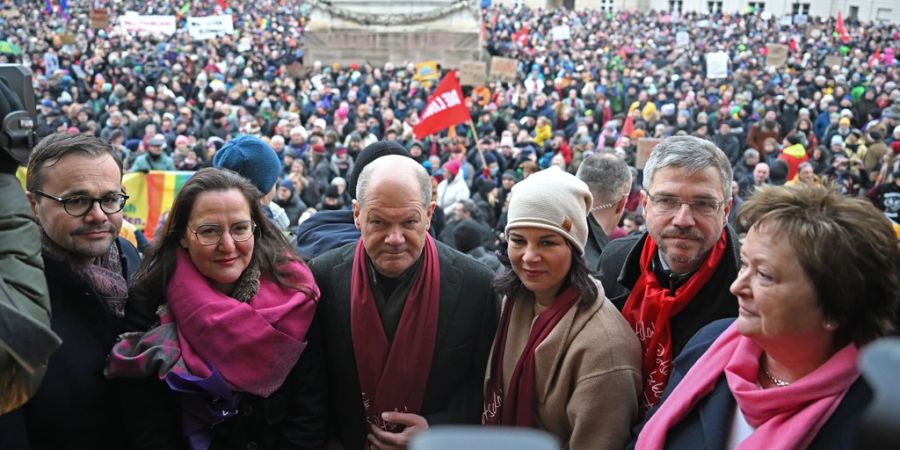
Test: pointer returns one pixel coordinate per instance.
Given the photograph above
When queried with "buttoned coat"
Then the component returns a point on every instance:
(587, 373)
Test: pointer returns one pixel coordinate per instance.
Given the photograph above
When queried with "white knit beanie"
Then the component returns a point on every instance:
(553, 200)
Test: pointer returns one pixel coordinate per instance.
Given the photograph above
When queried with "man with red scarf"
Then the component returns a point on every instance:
(406, 322)
(672, 280)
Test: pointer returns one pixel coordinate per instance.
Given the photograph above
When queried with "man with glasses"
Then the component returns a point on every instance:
(673, 279)
(74, 186)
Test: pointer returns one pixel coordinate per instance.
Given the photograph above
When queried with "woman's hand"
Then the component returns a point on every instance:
(386, 440)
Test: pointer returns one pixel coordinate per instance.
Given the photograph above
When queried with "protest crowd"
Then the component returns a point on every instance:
(778, 134)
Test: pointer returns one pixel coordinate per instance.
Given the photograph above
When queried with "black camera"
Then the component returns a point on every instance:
(17, 112)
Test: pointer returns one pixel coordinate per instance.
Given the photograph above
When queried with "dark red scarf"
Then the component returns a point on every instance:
(650, 308)
(517, 408)
(393, 375)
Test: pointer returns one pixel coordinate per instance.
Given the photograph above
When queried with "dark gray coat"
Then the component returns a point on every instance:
(467, 321)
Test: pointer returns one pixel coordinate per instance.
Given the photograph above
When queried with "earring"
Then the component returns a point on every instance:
(830, 326)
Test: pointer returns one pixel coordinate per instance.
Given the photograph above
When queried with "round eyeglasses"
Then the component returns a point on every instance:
(212, 234)
(80, 205)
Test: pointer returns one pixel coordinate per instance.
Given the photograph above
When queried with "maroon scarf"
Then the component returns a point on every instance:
(393, 375)
(517, 408)
(650, 308)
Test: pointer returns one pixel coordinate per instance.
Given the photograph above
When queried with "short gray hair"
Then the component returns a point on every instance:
(692, 154)
(389, 165)
(606, 175)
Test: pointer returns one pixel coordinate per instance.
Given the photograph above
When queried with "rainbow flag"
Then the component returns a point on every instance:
(151, 196)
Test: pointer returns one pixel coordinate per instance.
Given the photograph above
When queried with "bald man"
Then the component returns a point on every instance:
(406, 322)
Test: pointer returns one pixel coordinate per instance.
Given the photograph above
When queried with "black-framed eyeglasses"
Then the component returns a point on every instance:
(80, 205)
(212, 234)
(666, 204)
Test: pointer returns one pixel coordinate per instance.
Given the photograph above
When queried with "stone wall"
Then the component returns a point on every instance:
(379, 31)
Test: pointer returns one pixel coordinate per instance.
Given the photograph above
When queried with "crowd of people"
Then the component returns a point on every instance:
(170, 102)
(327, 279)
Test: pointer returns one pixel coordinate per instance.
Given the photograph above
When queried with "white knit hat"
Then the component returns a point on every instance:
(553, 200)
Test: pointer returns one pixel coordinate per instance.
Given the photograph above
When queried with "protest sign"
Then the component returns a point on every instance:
(503, 69)
(51, 62)
(644, 149)
(209, 27)
(716, 65)
(99, 19)
(682, 38)
(427, 71)
(833, 60)
(296, 70)
(561, 33)
(472, 73)
(776, 55)
(147, 24)
(67, 39)
(244, 45)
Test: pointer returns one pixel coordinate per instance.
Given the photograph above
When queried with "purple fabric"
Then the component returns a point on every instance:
(204, 402)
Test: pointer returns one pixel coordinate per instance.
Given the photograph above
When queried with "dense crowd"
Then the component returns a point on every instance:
(596, 290)
(169, 103)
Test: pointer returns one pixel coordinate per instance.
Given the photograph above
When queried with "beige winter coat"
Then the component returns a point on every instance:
(588, 373)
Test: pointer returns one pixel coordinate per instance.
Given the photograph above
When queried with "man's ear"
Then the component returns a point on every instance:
(33, 201)
(357, 211)
(429, 213)
(727, 210)
(620, 205)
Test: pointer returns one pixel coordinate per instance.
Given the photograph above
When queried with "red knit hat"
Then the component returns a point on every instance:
(452, 167)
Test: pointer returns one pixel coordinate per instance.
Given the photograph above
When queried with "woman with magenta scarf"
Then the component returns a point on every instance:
(564, 360)
(222, 306)
(819, 279)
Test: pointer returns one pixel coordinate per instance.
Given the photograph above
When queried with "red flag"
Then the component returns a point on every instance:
(521, 37)
(445, 108)
(627, 129)
(222, 4)
(841, 29)
(875, 58)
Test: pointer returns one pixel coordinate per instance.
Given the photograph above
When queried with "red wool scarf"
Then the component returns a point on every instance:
(650, 308)
(517, 408)
(393, 375)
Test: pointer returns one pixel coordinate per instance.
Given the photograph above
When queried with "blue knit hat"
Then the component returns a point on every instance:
(253, 159)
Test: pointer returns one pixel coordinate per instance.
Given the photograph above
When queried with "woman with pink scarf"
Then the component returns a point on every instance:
(222, 306)
(819, 279)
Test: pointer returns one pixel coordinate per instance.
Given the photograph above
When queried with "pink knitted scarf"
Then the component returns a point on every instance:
(253, 345)
(784, 418)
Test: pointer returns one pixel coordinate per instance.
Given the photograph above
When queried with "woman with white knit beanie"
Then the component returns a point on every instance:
(564, 360)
